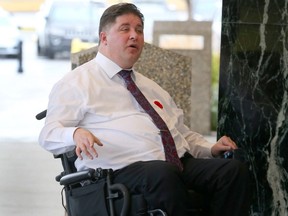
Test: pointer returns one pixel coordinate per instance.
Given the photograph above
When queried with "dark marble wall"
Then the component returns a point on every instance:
(253, 95)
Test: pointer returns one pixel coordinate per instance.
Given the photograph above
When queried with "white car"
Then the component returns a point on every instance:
(10, 39)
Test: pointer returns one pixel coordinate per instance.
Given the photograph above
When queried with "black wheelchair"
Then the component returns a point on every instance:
(108, 199)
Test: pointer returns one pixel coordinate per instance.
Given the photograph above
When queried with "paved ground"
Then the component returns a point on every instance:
(27, 184)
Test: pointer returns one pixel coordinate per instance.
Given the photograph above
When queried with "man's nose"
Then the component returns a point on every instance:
(133, 35)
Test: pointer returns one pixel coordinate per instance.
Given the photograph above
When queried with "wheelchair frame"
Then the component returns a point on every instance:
(70, 177)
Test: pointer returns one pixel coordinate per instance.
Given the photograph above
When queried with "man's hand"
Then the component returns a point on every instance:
(223, 144)
(85, 141)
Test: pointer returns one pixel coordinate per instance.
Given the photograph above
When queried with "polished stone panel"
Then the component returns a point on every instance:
(253, 95)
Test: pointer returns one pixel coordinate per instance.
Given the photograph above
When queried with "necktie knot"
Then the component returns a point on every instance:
(125, 74)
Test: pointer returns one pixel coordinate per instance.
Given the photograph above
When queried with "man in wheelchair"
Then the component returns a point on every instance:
(137, 130)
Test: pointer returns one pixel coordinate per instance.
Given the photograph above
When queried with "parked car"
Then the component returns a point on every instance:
(10, 35)
(60, 21)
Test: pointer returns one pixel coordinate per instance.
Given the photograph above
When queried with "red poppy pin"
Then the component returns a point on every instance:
(157, 103)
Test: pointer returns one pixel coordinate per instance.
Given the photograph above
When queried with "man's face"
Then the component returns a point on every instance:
(123, 40)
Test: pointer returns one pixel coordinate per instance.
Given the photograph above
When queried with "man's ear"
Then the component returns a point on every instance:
(103, 38)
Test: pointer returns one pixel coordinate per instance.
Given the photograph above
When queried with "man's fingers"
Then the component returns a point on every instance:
(92, 147)
(78, 153)
(83, 149)
(93, 150)
(97, 141)
(89, 149)
(85, 141)
(227, 141)
(87, 152)
(232, 142)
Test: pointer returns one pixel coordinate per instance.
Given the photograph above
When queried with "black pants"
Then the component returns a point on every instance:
(224, 182)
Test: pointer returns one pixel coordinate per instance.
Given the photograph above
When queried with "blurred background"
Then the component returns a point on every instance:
(36, 40)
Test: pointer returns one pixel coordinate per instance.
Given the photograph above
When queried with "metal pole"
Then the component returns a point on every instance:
(20, 56)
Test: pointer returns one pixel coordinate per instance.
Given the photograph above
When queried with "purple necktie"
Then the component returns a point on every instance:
(167, 139)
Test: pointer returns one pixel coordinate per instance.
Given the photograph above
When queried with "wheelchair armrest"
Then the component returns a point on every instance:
(41, 115)
(77, 177)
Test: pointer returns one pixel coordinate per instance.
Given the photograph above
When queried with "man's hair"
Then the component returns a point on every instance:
(111, 13)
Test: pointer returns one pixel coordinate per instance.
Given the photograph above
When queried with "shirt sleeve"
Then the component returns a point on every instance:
(199, 147)
(63, 115)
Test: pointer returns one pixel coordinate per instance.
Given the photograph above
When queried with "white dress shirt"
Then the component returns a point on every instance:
(94, 97)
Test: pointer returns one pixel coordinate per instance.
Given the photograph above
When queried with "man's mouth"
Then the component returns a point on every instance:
(133, 46)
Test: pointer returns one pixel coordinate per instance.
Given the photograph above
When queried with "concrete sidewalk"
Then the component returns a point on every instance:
(27, 184)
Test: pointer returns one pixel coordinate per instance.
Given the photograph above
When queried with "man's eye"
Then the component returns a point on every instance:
(140, 30)
(124, 29)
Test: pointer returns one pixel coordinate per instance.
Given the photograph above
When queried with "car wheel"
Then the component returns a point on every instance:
(50, 54)
(39, 49)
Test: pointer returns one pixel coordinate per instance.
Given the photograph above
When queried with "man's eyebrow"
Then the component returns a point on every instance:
(124, 25)
(128, 24)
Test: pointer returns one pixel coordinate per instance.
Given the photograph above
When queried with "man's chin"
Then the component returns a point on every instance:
(133, 57)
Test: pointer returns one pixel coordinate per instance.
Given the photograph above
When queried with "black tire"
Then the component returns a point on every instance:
(50, 53)
(39, 49)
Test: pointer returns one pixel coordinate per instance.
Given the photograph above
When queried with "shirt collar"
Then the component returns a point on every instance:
(110, 67)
